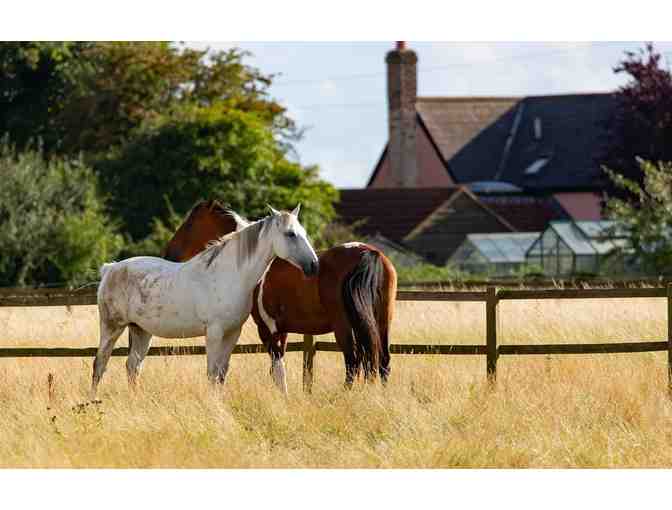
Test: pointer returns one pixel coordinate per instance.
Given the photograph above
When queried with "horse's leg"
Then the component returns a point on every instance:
(346, 341)
(138, 347)
(384, 320)
(276, 343)
(384, 354)
(219, 345)
(278, 347)
(384, 315)
(109, 333)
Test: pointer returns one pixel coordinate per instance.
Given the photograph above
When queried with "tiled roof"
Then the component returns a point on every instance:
(484, 139)
(392, 212)
(469, 132)
(526, 213)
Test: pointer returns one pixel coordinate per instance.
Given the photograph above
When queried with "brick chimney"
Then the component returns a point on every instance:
(402, 91)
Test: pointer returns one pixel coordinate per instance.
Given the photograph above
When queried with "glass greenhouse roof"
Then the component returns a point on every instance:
(588, 237)
(505, 247)
(573, 237)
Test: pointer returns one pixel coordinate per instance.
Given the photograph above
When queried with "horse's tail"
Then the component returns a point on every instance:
(361, 294)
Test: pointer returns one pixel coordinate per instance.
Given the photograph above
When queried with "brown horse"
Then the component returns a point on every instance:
(353, 295)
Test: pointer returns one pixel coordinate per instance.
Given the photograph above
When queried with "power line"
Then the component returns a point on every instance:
(350, 77)
(380, 104)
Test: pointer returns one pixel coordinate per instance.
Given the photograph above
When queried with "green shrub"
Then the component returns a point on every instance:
(429, 273)
(53, 227)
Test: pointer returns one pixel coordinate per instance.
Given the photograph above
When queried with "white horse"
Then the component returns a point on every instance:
(210, 295)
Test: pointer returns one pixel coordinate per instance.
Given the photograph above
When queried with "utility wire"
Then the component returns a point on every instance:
(432, 69)
(380, 104)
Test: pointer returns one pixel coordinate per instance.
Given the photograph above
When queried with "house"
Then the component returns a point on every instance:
(434, 222)
(494, 254)
(455, 166)
(543, 144)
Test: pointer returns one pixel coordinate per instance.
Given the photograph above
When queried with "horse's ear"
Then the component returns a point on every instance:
(273, 211)
(296, 210)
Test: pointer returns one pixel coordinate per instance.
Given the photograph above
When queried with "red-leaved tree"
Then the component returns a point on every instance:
(642, 124)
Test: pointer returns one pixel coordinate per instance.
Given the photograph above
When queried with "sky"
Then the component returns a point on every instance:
(337, 90)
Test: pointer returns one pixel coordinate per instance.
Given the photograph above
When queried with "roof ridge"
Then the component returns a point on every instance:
(459, 99)
(401, 188)
(427, 220)
(504, 234)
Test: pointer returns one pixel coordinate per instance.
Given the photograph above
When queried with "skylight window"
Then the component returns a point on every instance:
(535, 167)
(537, 128)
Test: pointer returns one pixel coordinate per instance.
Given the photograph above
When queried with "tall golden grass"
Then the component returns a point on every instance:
(547, 411)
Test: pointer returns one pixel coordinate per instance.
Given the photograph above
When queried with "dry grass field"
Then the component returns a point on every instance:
(437, 411)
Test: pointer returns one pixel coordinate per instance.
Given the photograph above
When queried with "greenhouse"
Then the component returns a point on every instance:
(493, 254)
(578, 247)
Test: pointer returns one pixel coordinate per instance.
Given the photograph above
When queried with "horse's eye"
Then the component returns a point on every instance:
(291, 234)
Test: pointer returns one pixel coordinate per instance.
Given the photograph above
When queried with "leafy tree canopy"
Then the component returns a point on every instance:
(162, 126)
(88, 97)
(210, 152)
(642, 125)
(35, 78)
(646, 219)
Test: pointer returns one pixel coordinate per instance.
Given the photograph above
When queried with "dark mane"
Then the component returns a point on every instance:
(215, 206)
(215, 248)
(248, 239)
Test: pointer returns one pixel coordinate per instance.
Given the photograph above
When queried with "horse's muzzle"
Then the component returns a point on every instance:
(311, 268)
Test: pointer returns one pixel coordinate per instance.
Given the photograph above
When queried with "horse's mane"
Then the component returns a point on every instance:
(214, 206)
(247, 240)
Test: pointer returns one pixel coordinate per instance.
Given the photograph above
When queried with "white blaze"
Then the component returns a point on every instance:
(268, 320)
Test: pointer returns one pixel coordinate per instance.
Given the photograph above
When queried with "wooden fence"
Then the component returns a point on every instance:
(539, 283)
(492, 296)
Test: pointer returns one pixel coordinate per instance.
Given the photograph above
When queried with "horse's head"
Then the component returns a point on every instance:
(291, 243)
(206, 222)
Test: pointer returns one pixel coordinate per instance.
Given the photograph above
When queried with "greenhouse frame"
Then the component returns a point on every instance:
(499, 254)
(578, 247)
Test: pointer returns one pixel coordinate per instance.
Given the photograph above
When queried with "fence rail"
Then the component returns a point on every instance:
(542, 283)
(491, 297)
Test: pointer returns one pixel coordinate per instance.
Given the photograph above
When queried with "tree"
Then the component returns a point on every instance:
(89, 97)
(161, 126)
(36, 77)
(646, 219)
(53, 227)
(209, 152)
(642, 125)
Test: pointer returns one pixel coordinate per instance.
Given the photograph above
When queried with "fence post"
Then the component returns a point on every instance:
(308, 355)
(669, 339)
(491, 305)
